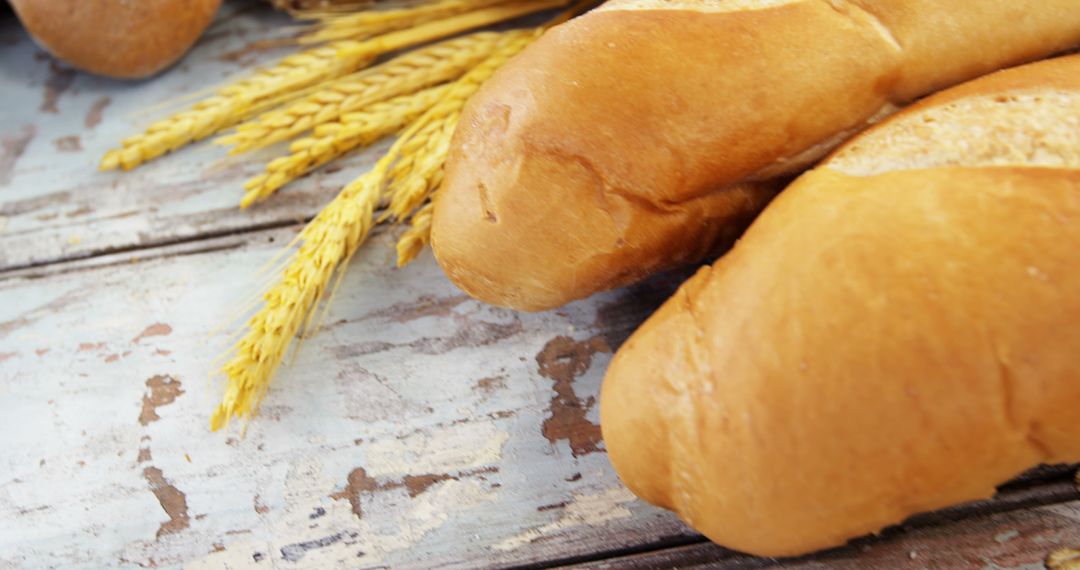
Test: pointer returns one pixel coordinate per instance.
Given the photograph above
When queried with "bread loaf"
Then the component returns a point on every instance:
(897, 332)
(117, 38)
(639, 136)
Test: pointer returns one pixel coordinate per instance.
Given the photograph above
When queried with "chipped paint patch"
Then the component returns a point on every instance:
(70, 143)
(563, 360)
(59, 81)
(156, 329)
(491, 384)
(171, 499)
(584, 510)
(93, 116)
(12, 148)
(356, 485)
(161, 391)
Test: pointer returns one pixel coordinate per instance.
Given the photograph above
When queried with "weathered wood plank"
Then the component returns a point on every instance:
(419, 428)
(56, 123)
(1009, 540)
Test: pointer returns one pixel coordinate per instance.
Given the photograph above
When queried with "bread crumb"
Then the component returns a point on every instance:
(1063, 559)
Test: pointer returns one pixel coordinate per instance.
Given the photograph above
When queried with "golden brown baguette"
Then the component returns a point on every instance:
(117, 38)
(637, 137)
(897, 332)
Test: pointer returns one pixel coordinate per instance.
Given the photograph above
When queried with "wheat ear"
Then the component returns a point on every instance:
(404, 74)
(326, 245)
(237, 101)
(336, 25)
(332, 140)
(331, 239)
(291, 75)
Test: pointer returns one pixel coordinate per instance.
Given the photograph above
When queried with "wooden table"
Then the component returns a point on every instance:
(418, 429)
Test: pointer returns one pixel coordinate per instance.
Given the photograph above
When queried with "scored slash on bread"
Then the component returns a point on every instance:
(896, 333)
(645, 134)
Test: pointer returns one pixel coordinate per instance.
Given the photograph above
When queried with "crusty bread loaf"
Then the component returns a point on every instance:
(637, 137)
(897, 332)
(117, 38)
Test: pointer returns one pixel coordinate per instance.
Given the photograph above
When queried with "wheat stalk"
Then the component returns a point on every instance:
(326, 244)
(454, 24)
(238, 101)
(332, 140)
(404, 74)
(291, 75)
(408, 175)
(334, 25)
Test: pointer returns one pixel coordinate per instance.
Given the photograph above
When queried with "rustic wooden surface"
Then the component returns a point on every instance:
(418, 429)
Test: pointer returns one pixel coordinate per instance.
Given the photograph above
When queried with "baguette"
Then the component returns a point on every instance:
(896, 333)
(646, 133)
(117, 38)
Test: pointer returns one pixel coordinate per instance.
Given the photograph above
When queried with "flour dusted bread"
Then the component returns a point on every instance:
(117, 38)
(645, 133)
(897, 332)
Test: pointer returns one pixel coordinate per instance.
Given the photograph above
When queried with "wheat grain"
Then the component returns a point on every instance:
(239, 101)
(332, 140)
(413, 241)
(334, 24)
(404, 74)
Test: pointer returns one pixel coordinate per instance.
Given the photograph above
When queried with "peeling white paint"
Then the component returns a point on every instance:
(238, 555)
(585, 510)
(440, 450)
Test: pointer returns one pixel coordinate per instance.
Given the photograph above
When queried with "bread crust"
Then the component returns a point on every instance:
(609, 149)
(117, 38)
(874, 347)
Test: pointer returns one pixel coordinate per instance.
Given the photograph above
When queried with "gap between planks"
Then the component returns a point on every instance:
(165, 248)
(1039, 487)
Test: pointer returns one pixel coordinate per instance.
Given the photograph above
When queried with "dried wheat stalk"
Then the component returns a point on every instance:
(334, 25)
(235, 102)
(332, 140)
(291, 76)
(404, 74)
(327, 243)
(332, 238)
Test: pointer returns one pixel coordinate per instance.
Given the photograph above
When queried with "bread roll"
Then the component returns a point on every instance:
(636, 137)
(117, 38)
(896, 333)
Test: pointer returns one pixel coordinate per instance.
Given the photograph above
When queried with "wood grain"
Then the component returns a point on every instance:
(410, 429)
